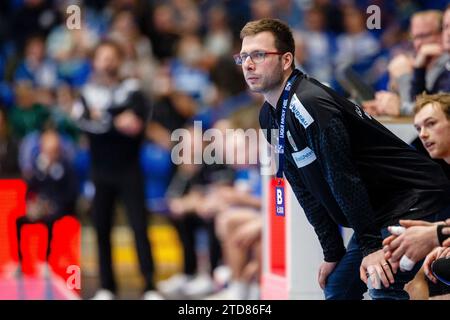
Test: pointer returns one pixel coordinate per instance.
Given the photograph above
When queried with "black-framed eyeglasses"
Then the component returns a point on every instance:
(255, 56)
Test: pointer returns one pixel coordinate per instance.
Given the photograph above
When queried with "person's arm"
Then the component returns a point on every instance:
(418, 82)
(87, 120)
(326, 229)
(236, 197)
(334, 152)
(404, 91)
(133, 119)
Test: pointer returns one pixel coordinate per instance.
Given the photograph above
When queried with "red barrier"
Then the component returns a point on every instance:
(66, 242)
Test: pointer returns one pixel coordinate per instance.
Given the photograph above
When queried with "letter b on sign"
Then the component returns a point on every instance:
(279, 196)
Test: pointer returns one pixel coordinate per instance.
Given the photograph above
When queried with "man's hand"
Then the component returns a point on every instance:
(388, 103)
(376, 263)
(371, 107)
(426, 53)
(128, 123)
(438, 252)
(415, 242)
(385, 103)
(400, 65)
(324, 271)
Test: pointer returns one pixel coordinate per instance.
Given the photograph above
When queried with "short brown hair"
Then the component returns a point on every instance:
(440, 99)
(436, 15)
(109, 43)
(284, 41)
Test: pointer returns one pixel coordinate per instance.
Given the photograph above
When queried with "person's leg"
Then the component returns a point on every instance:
(244, 262)
(215, 249)
(234, 256)
(102, 213)
(344, 282)
(19, 224)
(132, 194)
(186, 227)
(49, 223)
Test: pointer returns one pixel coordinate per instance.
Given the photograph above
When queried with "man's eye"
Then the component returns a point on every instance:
(259, 55)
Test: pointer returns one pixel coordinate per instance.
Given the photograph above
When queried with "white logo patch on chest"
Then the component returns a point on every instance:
(304, 157)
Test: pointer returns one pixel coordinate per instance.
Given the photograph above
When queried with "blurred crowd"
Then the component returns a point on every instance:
(177, 54)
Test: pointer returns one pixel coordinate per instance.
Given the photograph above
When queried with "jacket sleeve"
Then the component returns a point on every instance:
(333, 149)
(418, 82)
(326, 229)
(82, 118)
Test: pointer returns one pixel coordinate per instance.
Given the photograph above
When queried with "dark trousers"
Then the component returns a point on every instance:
(187, 227)
(129, 187)
(48, 221)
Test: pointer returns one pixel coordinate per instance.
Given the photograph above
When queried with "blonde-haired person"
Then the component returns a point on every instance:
(432, 121)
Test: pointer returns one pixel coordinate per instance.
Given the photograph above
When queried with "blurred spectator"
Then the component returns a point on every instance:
(356, 45)
(36, 67)
(333, 14)
(70, 49)
(27, 115)
(238, 218)
(290, 12)
(187, 16)
(60, 113)
(261, 9)
(9, 167)
(163, 31)
(52, 189)
(319, 46)
(32, 16)
(138, 62)
(113, 112)
(219, 38)
(424, 31)
(230, 92)
(186, 194)
(432, 64)
(187, 69)
(172, 109)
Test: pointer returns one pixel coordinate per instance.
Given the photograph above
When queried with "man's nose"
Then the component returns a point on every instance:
(423, 133)
(248, 63)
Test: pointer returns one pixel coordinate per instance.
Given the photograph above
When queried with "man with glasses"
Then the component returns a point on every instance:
(425, 35)
(432, 62)
(344, 167)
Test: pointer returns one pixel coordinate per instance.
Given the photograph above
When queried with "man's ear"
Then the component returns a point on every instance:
(288, 60)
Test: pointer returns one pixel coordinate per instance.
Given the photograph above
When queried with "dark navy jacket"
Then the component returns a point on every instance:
(347, 169)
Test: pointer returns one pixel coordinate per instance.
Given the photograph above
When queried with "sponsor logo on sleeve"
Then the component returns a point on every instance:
(300, 112)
